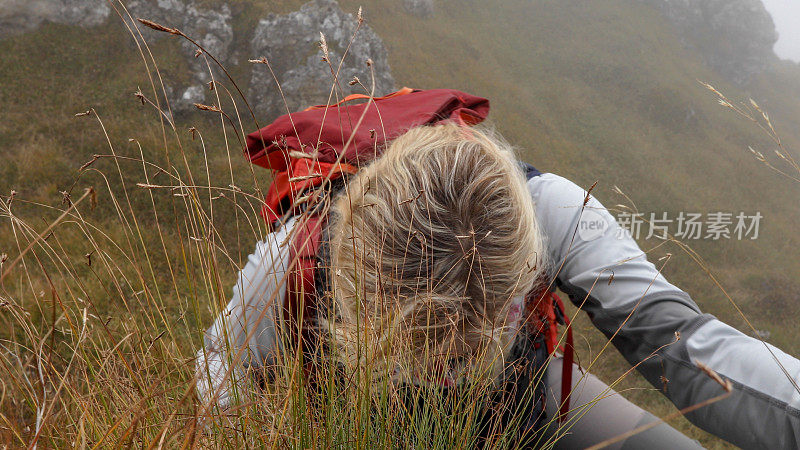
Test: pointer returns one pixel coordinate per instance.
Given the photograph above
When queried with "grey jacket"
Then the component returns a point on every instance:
(604, 271)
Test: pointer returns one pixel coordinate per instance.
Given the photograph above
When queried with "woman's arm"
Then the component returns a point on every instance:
(606, 273)
(245, 335)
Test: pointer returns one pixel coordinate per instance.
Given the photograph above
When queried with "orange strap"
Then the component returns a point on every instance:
(544, 320)
(404, 91)
(302, 174)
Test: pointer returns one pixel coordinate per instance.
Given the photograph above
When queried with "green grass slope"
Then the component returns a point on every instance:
(604, 91)
(595, 91)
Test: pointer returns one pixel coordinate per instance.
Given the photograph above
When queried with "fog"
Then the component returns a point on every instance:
(786, 14)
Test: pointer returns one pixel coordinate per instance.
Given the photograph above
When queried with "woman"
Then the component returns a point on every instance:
(437, 243)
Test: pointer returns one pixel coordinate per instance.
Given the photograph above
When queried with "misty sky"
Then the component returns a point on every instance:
(786, 14)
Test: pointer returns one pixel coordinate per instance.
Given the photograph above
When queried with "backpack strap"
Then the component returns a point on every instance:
(569, 358)
(304, 174)
(351, 97)
(529, 170)
(548, 311)
(545, 313)
(301, 293)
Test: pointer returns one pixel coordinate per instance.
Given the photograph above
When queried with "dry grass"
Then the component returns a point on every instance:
(104, 304)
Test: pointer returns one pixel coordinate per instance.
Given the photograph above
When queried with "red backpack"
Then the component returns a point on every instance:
(321, 143)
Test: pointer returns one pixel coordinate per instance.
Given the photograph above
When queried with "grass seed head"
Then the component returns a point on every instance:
(159, 27)
(138, 94)
(211, 108)
(88, 163)
(323, 44)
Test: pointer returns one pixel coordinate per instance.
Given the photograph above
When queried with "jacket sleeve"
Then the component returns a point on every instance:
(606, 273)
(245, 335)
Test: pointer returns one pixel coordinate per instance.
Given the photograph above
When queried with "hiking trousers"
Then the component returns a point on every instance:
(598, 413)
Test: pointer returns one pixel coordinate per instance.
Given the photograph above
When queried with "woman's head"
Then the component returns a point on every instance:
(432, 245)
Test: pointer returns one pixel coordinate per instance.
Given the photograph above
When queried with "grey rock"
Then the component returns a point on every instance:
(209, 27)
(193, 94)
(290, 42)
(19, 16)
(419, 8)
(735, 37)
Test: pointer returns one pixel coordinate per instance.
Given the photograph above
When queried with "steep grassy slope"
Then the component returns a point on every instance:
(604, 91)
(595, 91)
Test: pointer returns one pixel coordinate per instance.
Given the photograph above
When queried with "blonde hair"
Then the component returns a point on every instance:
(429, 245)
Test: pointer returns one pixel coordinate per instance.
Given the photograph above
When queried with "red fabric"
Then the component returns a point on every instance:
(301, 175)
(300, 289)
(543, 319)
(566, 367)
(324, 131)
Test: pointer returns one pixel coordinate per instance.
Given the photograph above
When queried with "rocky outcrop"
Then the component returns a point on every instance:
(735, 37)
(291, 43)
(210, 27)
(419, 8)
(19, 16)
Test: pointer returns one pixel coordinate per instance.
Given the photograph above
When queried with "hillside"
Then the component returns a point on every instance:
(604, 91)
